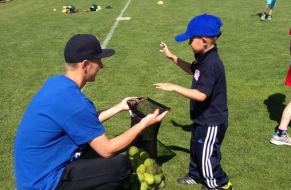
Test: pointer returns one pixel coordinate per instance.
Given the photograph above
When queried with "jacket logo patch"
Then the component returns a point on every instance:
(196, 74)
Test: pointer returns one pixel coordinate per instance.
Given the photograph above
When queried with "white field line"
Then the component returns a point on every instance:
(104, 44)
(109, 35)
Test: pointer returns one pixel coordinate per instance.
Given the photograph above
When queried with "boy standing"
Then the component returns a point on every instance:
(270, 4)
(208, 102)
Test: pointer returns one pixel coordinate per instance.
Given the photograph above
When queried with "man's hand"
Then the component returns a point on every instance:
(153, 118)
(123, 106)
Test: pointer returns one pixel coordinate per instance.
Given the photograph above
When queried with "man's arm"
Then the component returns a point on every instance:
(106, 114)
(109, 147)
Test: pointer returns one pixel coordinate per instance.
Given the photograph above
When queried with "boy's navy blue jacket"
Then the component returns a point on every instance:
(209, 78)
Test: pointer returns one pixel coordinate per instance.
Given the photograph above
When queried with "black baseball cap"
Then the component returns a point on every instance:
(85, 46)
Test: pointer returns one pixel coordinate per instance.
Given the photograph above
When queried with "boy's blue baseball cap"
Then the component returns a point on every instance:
(204, 25)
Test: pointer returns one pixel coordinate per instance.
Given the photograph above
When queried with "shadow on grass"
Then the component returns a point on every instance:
(275, 105)
(165, 153)
(187, 128)
(259, 14)
(181, 149)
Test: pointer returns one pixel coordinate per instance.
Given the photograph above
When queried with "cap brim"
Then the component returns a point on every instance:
(182, 37)
(106, 53)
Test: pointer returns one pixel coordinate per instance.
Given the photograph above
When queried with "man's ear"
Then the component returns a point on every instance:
(85, 64)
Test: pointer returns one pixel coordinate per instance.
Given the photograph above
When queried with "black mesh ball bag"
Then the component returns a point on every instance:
(147, 139)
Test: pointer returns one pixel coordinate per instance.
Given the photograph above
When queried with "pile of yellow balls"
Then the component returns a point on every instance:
(147, 174)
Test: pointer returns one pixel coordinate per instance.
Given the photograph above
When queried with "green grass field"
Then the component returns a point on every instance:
(255, 54)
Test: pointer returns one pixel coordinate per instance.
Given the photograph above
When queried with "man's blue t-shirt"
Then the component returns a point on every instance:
(56, 125)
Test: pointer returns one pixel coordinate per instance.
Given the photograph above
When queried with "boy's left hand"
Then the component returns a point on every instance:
(165, 86)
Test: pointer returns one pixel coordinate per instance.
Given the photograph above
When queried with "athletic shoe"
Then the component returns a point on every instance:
(228, 186)
(187, 180)
(263, 17)
(283, 140)
(269, 17)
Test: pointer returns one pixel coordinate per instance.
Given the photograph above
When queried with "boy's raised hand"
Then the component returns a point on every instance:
(166, 51)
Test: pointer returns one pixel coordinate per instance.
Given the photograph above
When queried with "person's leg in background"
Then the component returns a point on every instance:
(263, 16)
(272, 5)
(280, 136)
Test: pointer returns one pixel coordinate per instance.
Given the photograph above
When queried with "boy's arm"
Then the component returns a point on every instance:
(190, 93)
(184, 65)
(186, 92)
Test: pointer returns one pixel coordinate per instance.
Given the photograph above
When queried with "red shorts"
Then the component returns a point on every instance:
(288, 77)
(290, 32)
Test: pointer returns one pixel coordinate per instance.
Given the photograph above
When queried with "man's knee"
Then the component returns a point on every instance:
(125, 162)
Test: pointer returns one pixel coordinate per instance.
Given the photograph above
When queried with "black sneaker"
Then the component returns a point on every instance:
(187, 180)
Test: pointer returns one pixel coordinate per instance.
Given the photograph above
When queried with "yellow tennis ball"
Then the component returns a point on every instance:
(162, 185)
(149, 162)
(144, 155)
(144, 186)
(151, 170)
(158, 179)
(140, 177)
(132, 151)
(141, 168)
(149, 179)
